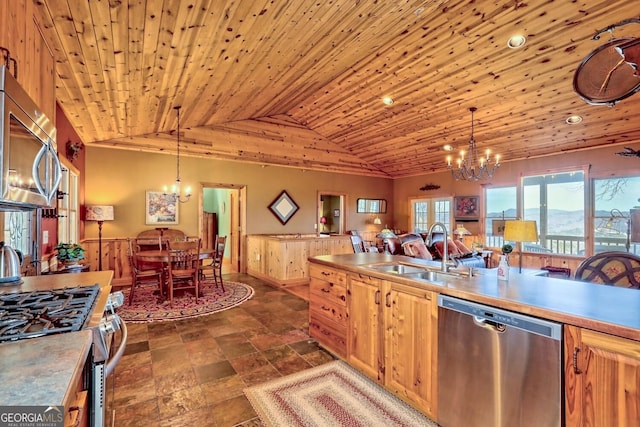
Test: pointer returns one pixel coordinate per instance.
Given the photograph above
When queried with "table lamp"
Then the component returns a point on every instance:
(520, 231)
(101, 214)
(323, 221)
(386, 234)
(460, 231)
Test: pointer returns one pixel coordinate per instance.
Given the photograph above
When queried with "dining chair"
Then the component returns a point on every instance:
(187, 244)
(218, 257)
(359, 246)
(143, 273)
(611, 268)
(182, 268)
(156, 244)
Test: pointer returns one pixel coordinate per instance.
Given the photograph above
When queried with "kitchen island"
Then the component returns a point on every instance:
(281, 259)
(386, 324)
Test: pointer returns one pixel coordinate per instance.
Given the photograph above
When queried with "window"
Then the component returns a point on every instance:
(614, 199)
(501, 204)
(556, 203)
(68, 218)
(425, 212)
(20, 230)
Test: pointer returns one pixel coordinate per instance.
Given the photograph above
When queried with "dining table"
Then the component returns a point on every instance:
(163, 256)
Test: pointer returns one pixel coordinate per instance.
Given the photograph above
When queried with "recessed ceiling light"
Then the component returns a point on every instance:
(448, 147)
(516, 41)
(387, 100)
(574, 120)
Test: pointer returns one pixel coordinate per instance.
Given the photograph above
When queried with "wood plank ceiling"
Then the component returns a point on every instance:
(299, 83)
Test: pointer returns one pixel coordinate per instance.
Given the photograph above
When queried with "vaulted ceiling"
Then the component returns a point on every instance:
(300, 83)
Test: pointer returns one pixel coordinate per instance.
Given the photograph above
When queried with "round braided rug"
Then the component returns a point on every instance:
(146, 306)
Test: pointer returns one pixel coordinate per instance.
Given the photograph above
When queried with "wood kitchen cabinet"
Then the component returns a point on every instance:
(21, 35)
(602, 379)
(365, 330)
(328, 308)
(393, 338)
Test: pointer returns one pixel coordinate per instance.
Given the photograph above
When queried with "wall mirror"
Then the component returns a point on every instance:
(375, 206)
(331, 217)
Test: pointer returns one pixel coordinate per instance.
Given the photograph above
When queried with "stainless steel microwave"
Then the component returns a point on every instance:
(31, 170)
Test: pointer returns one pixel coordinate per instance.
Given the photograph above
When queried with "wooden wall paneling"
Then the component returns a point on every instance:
(114, 257)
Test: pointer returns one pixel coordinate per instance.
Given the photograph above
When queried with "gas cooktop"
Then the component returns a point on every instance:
(38, 313)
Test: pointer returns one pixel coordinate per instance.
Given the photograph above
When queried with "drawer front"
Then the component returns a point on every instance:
(328, 274)
(329, 335)
(332, 292)
(322, 307)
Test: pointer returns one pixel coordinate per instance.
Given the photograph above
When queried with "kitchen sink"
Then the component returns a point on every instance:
(425, 273)
(397, 268)
(434, 276)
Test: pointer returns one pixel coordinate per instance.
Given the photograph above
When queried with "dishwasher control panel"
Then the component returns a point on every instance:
(527, 323)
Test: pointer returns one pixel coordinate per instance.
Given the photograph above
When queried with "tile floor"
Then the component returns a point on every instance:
(192, 372)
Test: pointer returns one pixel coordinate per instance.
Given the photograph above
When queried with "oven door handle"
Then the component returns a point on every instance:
(113, 361)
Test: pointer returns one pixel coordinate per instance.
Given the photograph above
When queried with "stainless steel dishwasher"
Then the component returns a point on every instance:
(497, 368)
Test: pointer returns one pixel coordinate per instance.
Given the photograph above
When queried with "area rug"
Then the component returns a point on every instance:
(333, 394)
(146, 306)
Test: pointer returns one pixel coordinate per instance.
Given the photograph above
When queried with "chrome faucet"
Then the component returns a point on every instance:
(445, 244)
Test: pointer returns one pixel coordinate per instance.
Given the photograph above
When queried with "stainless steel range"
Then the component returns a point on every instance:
(38, 313)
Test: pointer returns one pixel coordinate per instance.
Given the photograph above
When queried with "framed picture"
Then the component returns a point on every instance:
(466, 208)
(497, 227)
(283, 207)
(336, 213)
(160, 208)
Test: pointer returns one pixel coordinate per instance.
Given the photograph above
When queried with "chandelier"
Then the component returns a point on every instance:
(176, 191)
(472, 167)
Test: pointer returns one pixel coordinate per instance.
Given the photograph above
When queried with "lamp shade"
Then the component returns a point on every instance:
(99, 213)
(461, 231)
(377, 220)
(521, 231)
(323, 220)
(386, 234)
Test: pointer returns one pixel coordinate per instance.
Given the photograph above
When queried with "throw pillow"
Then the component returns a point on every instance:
(452, 249)
(462, 248)
(418, 249)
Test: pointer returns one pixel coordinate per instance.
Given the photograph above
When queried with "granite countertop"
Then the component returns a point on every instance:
(607, 309)
(39, 371)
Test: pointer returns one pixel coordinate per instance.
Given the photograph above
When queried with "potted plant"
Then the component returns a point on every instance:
(506, 250)
(69, 253)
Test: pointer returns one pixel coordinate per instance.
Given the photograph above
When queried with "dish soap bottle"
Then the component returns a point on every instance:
(503, 268)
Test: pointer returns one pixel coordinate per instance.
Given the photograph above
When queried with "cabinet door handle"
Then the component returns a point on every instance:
(388, 301)
(576, 370)
(377, 297)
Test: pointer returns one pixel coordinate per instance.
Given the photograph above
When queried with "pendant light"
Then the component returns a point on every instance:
(176, 190)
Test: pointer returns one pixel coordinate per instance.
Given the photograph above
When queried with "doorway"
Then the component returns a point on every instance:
(331, 213)
(222, 213)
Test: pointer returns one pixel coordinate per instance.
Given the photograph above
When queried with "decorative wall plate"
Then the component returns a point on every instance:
(283, 207)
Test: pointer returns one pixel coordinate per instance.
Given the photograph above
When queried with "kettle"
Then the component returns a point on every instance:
(9, 265)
